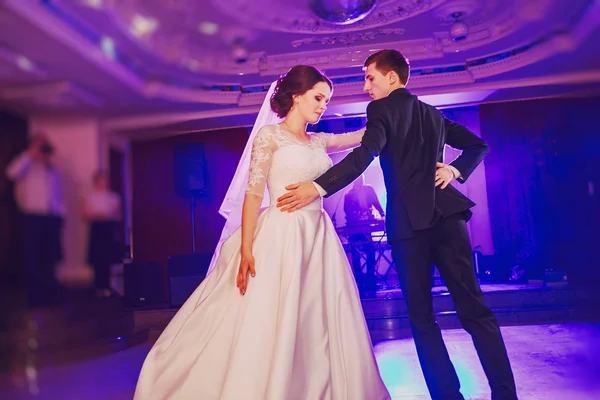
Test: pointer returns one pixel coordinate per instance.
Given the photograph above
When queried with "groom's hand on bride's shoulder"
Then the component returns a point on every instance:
(298, 196)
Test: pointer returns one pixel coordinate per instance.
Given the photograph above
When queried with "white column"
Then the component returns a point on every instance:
(79, 154)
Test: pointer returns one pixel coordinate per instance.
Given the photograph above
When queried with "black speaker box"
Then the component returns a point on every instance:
(190, 169)
(186, 272)
(144, 285)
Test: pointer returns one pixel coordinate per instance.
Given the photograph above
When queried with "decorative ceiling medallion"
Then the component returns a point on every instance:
(288, 16)
(347, 38)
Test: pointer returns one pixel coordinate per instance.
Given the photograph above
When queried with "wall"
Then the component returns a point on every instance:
(161, 220)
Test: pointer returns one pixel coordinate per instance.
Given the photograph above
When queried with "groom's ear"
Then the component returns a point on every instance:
(393, 77)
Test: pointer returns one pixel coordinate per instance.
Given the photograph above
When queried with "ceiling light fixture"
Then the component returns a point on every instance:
(142, 26)
(108, 47)
(459, 30)
(25, 63)
(208, 28)
(97, 4)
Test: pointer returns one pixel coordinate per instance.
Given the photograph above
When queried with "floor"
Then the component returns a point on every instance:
(550, 362)
(395, 292)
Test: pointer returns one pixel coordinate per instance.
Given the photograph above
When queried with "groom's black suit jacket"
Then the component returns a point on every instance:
(410, 135)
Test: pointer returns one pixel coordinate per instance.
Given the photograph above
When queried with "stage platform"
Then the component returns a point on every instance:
(513, 304)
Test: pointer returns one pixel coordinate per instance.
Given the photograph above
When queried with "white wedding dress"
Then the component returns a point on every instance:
(299, 332)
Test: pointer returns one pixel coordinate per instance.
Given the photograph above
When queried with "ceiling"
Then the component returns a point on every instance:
(184, 64)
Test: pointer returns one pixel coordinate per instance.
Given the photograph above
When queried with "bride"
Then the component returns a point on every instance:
(279, 316)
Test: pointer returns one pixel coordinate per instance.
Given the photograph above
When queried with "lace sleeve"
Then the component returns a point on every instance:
(261, 158)
(345, 141)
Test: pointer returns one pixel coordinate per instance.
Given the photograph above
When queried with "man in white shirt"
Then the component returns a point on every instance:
(39, 195)
(359, 204)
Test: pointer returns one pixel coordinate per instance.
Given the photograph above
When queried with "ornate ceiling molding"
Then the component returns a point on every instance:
(271, 66)
(173, 48)
(434, 77)
(195, 52)
(287, 16)
(482, 34)
(215, 56)
(348, 38)
(252, 101)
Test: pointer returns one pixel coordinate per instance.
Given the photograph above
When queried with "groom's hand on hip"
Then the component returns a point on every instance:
(443, 175)
(299, 195)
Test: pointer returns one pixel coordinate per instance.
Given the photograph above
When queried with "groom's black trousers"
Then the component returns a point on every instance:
(447, 245)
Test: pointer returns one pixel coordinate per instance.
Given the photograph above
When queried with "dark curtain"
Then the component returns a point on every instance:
(13, 140)
(116, 166)
(543, 179)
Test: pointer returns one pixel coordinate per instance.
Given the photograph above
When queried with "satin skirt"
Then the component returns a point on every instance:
(299, 332)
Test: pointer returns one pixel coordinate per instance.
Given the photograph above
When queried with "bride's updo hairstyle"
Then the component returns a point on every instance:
(297, 81)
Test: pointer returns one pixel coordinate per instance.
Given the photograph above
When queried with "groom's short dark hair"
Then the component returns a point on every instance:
(390, 60)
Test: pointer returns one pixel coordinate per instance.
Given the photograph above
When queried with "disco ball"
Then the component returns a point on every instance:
(342, 12)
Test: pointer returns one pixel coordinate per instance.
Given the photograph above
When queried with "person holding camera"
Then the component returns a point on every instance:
(39, 196)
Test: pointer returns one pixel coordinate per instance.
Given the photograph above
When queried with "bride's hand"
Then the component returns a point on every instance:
(246, 266)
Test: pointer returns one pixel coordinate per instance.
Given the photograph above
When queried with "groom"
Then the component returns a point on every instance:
(426, 219)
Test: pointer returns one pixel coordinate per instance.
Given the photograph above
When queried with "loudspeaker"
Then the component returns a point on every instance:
(143, 285)
(190, 169)
(186, 272)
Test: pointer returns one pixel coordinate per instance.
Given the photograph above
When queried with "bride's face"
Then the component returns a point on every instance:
(312, 104)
